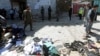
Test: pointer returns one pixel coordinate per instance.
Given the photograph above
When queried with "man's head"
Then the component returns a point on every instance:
(95, 7)
(27, 7)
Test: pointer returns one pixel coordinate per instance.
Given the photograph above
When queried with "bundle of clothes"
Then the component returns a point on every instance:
(84, 48)
(10, 36)
(40, 47)
(75, 46)
(94, 45)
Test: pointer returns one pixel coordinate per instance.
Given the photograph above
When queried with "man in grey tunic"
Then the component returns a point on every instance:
(90, 19)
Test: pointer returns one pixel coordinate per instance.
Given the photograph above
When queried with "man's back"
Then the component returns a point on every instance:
(27, 15)
(91, 14)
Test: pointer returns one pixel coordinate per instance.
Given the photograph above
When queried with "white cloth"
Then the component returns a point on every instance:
(4, 52)
(5, 49)
(28, 48)
(2, 17)
(12, 53)
(31, 48)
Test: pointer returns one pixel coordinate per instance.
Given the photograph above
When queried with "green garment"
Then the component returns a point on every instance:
(81, 11)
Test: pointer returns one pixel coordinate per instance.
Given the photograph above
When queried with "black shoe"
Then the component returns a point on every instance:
(90, 32)
(86, 37)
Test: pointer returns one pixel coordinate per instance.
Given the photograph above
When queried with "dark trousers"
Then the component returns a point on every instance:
(42, 17)
(57, 17)
(96, 17)
(0, 37)
(80, 16)
(12, 16)
(88, 27)
(26, 24)
(20, 16)
(49, 16)
(70, 17)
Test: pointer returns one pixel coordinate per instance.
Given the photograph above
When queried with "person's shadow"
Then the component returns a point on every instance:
(95, 35)
(96, 29)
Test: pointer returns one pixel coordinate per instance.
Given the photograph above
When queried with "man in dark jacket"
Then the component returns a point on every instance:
(70, 13)
(90, 19)
(12, 13)
(49, 13)
(42, 13)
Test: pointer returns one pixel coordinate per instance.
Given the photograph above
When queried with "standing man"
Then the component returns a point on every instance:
(57, 14)
(90, 18)
(70, 13)
(81, 13)
(86, 9)
(49, 13)
(27, 16)
(12, 13)
(42, 13)
(20, 14)
(4, 12)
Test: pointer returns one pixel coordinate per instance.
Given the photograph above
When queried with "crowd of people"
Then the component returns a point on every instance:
(27, 18)
(43, 13)
(3, 12)
(89, 15)
(12, 13)
(25, 15)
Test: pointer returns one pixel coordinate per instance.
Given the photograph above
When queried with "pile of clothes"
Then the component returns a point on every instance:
(3, 21)
(84, 48)
(12, 41)
(94, 46)
(38, 47)
(75, 46)
(42, 46)
(12, 36)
